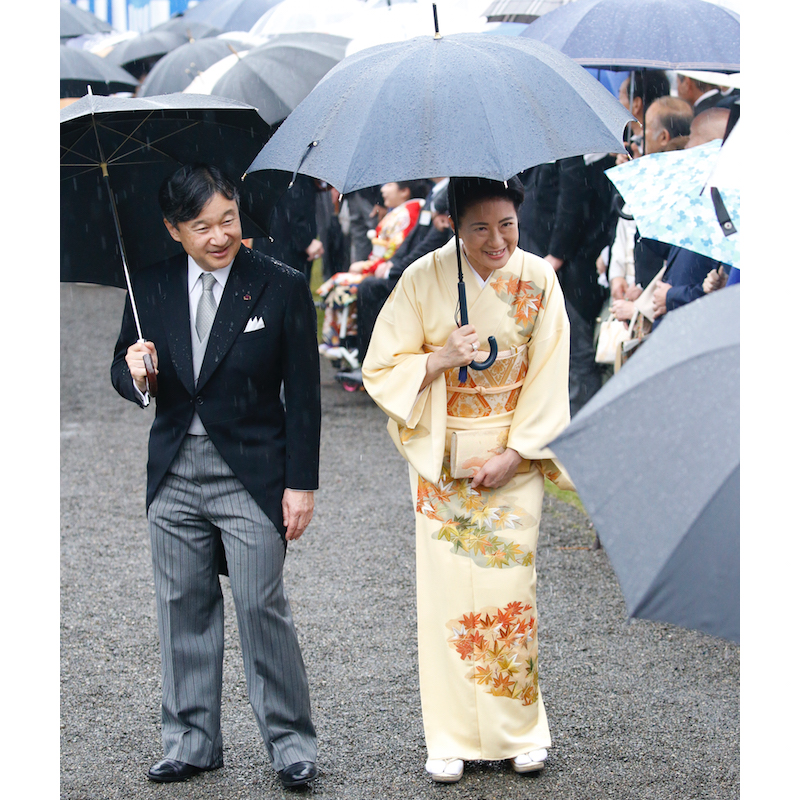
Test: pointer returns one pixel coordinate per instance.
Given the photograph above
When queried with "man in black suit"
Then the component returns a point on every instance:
(230, 473)
(568, 219)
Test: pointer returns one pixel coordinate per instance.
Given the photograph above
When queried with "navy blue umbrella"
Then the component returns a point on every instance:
(468, 105)
(643, 34)
(659, 474)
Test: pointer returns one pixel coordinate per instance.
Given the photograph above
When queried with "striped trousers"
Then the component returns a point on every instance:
(200, 507)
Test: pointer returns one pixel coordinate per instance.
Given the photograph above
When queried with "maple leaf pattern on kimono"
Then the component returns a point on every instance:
(472, 520)
(525, 298)
(502, 647)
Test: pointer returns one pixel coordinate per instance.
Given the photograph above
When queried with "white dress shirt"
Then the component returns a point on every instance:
(195, 287)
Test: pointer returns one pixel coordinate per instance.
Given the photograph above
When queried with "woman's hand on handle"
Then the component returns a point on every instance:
(458, 351)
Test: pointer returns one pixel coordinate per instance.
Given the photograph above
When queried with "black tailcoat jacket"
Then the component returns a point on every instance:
(237, 394)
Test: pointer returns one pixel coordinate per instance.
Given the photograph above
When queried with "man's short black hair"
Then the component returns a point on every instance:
(469, 191)
(184, 194)
(417, 188)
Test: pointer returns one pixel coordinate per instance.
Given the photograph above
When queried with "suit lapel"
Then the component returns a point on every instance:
(174, 306)
(243, 289)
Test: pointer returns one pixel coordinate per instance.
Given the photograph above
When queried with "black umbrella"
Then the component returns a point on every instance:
(80, 68)
(654, 456)
(75, 22)
(115, 153)
(230, 15)
(176, 70)
(139, 54)
(469, 104)
(277, 75)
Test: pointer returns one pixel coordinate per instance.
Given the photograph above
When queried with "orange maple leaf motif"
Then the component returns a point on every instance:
(524, 297)
(503, 686)
(470, 621)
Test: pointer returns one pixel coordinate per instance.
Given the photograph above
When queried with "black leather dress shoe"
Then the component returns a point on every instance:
(171, 771)
(298, 774)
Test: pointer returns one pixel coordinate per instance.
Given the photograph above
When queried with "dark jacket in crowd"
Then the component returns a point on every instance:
(568, 213)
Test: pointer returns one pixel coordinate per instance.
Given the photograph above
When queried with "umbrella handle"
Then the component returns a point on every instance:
(152, 381)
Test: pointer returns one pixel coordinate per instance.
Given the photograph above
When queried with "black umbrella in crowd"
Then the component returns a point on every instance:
(139, 54)
(76, 22)
(276, 76)
(176, 70)
(80, 68)
(230, 15)
(116, 152)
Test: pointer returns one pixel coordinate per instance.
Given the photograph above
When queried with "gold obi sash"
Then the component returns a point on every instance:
(488, 392)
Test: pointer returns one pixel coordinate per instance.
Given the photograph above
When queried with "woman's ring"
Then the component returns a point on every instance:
(475, 346)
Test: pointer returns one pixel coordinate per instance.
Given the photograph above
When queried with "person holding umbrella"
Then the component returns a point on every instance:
(226, 487)
(477, 457)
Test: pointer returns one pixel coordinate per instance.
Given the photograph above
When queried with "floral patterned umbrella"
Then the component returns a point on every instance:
(668, 196)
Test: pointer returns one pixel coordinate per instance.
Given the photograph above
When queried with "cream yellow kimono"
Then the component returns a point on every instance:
(476, 575)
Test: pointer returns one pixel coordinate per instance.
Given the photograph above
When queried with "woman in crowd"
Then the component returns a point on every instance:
(477, 456)
(404, 201)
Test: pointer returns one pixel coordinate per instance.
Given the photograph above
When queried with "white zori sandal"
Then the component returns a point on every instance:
(445, 770)
(531, 761)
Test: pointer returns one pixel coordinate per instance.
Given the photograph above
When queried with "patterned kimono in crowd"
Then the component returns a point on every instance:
(339, 291)
(476, 548)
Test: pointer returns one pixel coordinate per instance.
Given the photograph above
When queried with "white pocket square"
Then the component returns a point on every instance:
(254, 324)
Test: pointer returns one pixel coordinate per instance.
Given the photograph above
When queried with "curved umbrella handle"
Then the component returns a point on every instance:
(481, 365)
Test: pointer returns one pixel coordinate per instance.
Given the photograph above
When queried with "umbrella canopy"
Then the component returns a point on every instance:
(80, 68)
(229, 15)
(667, 510)
(176, 70)
(277, 75)
(299, 16)
(75, 22)
(642, 34)
(138, 55)
(460, 105)
(666, 194)
(191, 30)
(382, 24)
(523, 11)
(142, 141)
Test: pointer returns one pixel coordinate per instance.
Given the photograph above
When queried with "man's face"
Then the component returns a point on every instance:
(656, 137)
(214, 236)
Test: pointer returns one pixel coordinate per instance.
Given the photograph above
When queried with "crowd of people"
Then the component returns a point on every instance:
(572, 216)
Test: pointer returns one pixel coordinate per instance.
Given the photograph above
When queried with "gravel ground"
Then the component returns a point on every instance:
(637, 709)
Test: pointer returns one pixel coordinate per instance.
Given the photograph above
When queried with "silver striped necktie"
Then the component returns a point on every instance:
(207, 307)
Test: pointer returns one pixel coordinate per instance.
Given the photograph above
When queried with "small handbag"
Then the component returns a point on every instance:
(613, 331)
(470, 450)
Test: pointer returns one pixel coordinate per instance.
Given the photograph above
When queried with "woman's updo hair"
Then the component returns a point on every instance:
(468, 191)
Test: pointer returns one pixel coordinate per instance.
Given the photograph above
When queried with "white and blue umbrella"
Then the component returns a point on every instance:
(668, 196)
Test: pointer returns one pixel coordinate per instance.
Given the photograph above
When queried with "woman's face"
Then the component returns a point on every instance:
(393, 195)
(490, 232)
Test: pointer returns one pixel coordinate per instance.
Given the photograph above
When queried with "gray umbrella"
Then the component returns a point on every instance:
(643, 34)
(80, 68)
(655, 459)
(76, 22)
(138, 55)
(176, 70)
(278, 74)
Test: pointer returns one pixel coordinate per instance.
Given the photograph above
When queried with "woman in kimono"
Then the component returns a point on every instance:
(477, 454)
